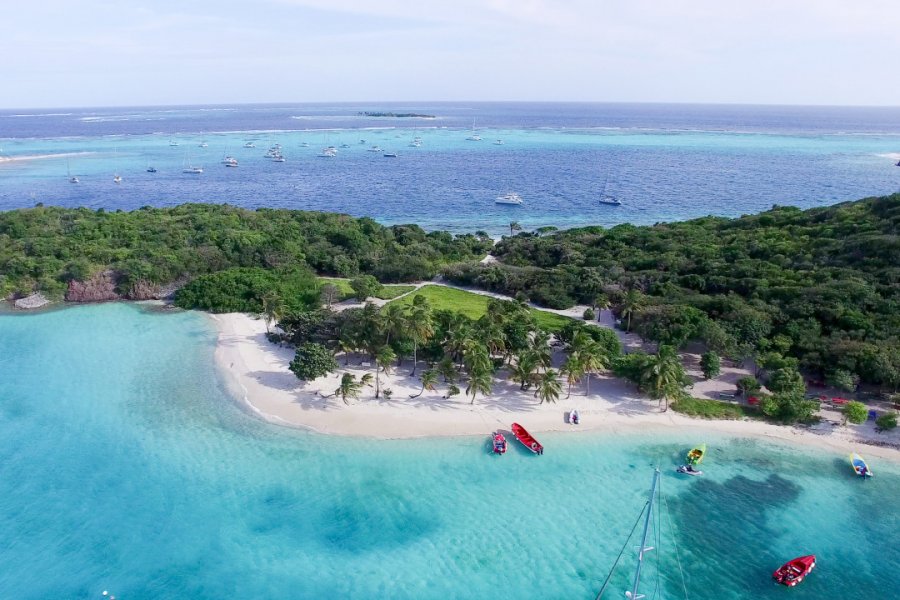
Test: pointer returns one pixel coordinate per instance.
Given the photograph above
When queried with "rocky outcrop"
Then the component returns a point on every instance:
(144, 290)
(31, 302)
(98, 288)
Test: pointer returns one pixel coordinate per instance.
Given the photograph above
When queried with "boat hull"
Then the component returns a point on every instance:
(860, 467)
(795, 571)
(526, 439)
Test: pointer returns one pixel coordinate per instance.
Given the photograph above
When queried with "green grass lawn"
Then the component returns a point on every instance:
(387, 292)
(475, 305)
(713, 409)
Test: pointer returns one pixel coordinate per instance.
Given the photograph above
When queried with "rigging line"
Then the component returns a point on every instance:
(658, 532)
(621, 552)
(675, 544)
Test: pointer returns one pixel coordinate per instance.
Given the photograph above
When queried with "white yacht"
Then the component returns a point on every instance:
(173, 143)
(249, 145)
(328, 152)
(304, 145)
(498, 142)
(375, 149)
(192, 170)
(230, 161)
(345, 145)
(117, 179)
(278, 158)
(204, 145)
(390, 155)
(509, 198)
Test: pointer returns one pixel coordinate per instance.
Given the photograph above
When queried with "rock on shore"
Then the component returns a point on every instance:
(31, 302)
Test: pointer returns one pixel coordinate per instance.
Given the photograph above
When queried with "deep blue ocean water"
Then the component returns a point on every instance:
(125, 466)
(665, 162)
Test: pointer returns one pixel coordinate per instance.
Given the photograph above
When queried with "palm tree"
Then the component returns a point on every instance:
(349, 388)
(663, 375)
(513, 227)
(548, 387)
(591, 356)
(272, 308)
(573, 370)
(394, 320)
(631, 303)
(479, 381)
(384, 358)
(524, 370)
(371, 328)
(419, 327)
(447, 369)
(540, 349)
(429, 379)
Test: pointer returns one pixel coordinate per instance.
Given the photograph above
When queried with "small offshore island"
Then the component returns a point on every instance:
(396, 115)
(787, 317)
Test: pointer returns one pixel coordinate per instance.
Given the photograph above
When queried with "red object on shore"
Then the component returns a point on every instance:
(839, 401)
(752, 400)
(792, 572)
(527, 439)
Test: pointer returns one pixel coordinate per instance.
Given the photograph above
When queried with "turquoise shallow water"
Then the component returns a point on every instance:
(125, 466)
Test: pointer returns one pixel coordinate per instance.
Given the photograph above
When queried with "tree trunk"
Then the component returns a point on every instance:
(415, 358)
(569, 393)
(377, 382)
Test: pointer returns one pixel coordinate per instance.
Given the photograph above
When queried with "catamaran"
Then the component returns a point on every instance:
(474, 137)
(509, 198)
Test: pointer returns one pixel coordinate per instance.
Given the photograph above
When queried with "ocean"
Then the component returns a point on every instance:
(126, 467)
(664, 162)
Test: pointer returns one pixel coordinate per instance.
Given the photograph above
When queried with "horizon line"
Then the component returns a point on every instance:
(432, 102)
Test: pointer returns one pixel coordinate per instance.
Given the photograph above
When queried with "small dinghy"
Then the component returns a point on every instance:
(574, 417)
(499, 443)
(792, 572)
(859, 466)
(695, 456)
(688, 470)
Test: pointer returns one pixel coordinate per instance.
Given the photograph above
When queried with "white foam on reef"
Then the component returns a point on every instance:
(890, 155)
(43, 156)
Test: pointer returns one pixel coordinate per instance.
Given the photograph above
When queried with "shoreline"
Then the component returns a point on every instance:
(256, 375)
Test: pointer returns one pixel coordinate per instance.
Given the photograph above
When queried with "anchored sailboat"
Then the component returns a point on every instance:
(606, 198)
(648, 518)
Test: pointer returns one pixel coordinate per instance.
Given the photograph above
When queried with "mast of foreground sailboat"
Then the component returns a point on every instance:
(633, 594)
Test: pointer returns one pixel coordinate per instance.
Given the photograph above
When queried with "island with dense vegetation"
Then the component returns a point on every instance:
(84, 254)
(817, 289)
(806, 296)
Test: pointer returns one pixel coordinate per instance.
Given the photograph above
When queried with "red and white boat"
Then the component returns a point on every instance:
(792, 572)
(499, 443)
(527, 439)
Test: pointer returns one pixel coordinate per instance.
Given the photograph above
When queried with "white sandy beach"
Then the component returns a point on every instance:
(257, 373)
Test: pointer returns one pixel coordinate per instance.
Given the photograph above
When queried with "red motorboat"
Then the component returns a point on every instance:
(499, 443)
(792, 572)
(527, 439)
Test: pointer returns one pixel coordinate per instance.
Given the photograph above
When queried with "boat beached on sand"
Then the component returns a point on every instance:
(527, 439)
(792, 572)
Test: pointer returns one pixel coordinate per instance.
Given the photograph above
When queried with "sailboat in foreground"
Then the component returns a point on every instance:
(648, 518)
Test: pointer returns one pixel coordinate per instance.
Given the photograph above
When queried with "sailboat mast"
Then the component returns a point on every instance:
(633, 594)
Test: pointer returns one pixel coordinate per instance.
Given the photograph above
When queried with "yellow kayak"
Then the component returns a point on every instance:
(695, 456)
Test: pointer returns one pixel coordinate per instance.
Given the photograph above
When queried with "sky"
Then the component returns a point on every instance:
(71, 53)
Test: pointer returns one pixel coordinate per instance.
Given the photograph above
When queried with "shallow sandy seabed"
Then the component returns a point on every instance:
(257, 373)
